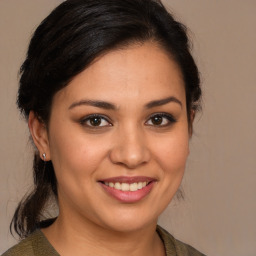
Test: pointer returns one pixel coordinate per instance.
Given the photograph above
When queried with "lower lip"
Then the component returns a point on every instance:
(129, 196)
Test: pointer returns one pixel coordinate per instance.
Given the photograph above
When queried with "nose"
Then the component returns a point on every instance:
(130, 149)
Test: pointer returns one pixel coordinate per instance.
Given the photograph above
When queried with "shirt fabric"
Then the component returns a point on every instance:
(37, 244)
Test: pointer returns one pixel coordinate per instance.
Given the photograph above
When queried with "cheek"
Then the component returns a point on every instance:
(173, 151)
(170, 154)
(75, 156)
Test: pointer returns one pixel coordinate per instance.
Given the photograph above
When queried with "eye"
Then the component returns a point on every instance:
(160, 119)
(95, 121)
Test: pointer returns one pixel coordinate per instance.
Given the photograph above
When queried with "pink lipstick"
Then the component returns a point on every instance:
(128, 189)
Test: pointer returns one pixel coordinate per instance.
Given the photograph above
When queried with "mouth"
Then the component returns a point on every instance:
(126, 186)
(128, 189)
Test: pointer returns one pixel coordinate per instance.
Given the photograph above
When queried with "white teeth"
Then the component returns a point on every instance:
(134, 187)
(117, 186)
(140, 185)
(125, 186)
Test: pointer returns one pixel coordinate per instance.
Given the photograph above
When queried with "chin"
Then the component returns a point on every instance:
(127, 222)
(130, 227)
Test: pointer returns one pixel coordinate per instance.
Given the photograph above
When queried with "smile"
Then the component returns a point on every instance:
(126, 186)
(128, 189)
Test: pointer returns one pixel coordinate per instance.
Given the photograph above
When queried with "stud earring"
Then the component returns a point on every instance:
(44, 156)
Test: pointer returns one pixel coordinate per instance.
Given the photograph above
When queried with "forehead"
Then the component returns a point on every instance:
(138, 71)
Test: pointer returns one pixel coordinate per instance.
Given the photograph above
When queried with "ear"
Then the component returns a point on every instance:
(39, 134)
(192, 117)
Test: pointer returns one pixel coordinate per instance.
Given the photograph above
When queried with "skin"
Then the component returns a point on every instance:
(127, 143)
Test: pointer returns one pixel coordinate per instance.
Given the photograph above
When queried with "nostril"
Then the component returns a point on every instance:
(129, 151)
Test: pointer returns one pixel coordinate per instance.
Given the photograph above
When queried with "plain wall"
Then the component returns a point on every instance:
(219, 210)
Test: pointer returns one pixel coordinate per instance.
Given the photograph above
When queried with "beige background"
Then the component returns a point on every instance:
(219, 210)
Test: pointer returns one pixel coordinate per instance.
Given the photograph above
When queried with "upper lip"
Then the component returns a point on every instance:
(129, 179)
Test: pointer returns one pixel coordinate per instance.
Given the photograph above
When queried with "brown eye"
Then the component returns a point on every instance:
(161, 120)
(157, 120)
(95, 121)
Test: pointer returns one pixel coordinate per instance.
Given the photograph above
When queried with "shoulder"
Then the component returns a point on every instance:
(25, 247)
(176, 247)
(35, 244)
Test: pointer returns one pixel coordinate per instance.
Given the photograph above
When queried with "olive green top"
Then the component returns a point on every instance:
(37, 245)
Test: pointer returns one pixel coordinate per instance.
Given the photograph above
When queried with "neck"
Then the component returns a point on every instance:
(69, 237)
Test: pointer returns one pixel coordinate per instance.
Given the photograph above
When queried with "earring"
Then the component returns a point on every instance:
(44, 156)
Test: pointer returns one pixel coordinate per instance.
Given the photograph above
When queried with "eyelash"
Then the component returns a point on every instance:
(90, 118)
(169, 119)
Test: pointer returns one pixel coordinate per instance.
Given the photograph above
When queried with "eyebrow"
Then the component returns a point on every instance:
(94, 103)
(110, 106)
(161, 102)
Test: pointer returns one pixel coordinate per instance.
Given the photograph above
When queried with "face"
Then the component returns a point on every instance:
(118, 139)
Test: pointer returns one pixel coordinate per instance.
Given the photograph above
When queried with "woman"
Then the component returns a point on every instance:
(110, 90)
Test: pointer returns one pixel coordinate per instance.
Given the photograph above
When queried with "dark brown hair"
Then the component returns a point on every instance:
(66, 43)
